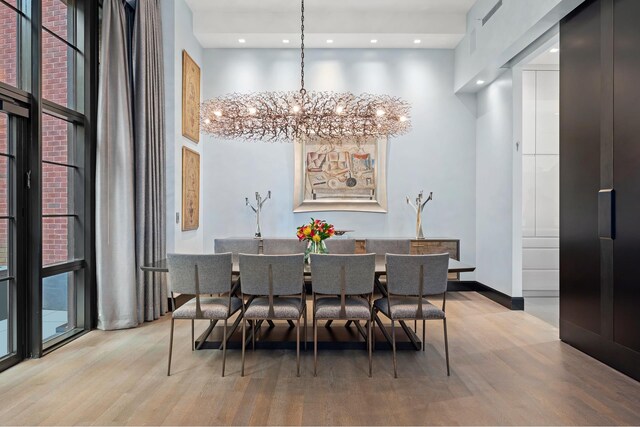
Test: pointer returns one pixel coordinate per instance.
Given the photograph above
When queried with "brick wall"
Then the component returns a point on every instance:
(55, 132)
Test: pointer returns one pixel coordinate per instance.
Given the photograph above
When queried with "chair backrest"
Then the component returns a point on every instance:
(283, 246)
(237, 246)
(271, 274)
(404, 278)
(341, 246)
(381, 247)
(343, 274)
(199, 274)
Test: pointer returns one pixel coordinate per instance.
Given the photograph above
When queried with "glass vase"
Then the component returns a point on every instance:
(314, 248)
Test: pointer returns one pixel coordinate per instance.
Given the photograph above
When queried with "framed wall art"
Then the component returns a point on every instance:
(347, 175)
(190, 189)
(190, 98)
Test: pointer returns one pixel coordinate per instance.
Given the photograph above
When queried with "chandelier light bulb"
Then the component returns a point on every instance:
(340, 109)
(217, 113)
(296, 108)
(403, 118)
(207, 121)
(252, 110)
(380, 113)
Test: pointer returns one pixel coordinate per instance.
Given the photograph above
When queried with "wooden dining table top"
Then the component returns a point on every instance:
(455, 266)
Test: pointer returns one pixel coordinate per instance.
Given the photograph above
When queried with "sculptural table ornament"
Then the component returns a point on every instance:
(419, 208)
(257, 209)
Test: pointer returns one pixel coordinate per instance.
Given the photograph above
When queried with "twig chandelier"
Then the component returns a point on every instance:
(288, 116)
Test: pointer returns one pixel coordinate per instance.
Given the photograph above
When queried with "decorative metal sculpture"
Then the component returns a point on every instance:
(419, 207)
(257, 209)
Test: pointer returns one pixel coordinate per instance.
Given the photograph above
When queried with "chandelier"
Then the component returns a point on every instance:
(293, 115)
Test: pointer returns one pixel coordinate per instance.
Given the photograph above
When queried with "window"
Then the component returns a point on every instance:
(48, 100)
(9, 22)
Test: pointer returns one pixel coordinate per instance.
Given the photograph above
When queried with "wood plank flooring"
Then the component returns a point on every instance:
(507, 367)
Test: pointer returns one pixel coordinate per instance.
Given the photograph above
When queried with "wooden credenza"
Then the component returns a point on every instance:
(426, 247)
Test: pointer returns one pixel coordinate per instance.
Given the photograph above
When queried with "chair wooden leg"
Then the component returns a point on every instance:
(253, 334)
(393, 343)
(370, 346)
(446, 345)
(170, 348)
(304, 335)
(244, 338)
(193, 341)
(298, 347)
(424, 342)
(315, 346)
(224, 346)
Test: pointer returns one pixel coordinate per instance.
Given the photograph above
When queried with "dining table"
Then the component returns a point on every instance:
(455, 266)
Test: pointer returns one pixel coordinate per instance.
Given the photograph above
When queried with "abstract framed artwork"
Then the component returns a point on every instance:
(190, 98)
(190, 189)
(348, 175)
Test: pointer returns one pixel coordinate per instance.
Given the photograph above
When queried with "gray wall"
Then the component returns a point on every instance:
(438, 155)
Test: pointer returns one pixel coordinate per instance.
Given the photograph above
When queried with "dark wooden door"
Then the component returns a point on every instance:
(626, 289)
(600, 152)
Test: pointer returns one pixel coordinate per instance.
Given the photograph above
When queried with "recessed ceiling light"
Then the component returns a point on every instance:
(554, 50)
(329, 41)
(417, 41)
(242, 41)
(374, 41)
(480, 82)
(285, 41)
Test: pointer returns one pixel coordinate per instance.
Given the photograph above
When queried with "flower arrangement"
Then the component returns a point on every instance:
(316, 232)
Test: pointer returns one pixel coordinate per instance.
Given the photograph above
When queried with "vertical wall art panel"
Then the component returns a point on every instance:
(190, 189)
(190, 98)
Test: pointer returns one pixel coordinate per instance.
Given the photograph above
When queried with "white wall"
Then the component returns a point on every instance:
(497, 263)
(541, 182)
(438, 155)
(515, 25)
(177, 31)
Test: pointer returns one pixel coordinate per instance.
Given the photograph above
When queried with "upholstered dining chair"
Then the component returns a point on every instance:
(381, 247)
(341, 246)
(202, 275)
(410, 279)
(342, 290)
(275, 285)
(237, 246)
(283, 246)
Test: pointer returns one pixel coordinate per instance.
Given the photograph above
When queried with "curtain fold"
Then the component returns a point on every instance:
(148, 82)
(115, 209)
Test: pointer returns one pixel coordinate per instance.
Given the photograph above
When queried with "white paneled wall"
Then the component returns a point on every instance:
(540, 182)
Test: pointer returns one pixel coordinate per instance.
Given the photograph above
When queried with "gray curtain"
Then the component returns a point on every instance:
(115, 209)
(148, 82)
(130, 181)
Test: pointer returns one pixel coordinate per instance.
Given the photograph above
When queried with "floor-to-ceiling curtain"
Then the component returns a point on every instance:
(115, 207)
(130, 183)
(148, 83)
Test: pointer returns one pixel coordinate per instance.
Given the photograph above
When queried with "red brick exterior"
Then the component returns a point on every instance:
(55, 132)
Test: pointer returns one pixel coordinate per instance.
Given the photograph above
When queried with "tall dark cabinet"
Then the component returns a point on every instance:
(600, 182)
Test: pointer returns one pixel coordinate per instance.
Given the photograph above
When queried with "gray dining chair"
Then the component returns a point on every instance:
(202, 275)
(237, 246)
(342, 290)
(283, 246)
(275, 287)
(381, 247)
(411, 278)
(341, 246)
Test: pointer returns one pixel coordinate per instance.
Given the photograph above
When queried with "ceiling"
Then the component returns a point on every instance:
(550, 56)
(346, 23)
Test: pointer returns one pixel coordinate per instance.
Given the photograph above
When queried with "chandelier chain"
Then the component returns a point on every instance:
(303, 91)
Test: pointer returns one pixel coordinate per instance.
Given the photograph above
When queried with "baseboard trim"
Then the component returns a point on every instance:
(512, 303)
(610, 353)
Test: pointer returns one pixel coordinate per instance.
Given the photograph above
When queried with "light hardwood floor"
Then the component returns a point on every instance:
(507, 367)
